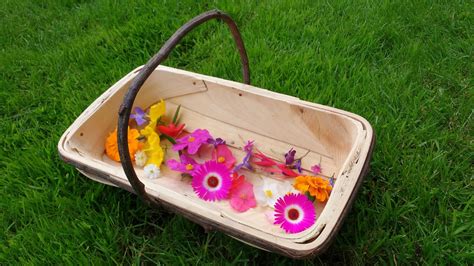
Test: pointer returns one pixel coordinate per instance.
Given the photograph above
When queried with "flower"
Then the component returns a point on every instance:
(294, 213)
(111, 146)
(246, 161)
(139, 116)
(216, 142)
(171, 130)
(298, 165)
(211, 181)
(192, 141)
(269, 165)
(242, 197)
(152, 171)
(290, 157)
(316, 186)
(140, 158)
(236, 181)
(222, 154)
(152, 148)
(270, 190)
(187, 165)
(263, 160)
(316, 169)
(156, 111)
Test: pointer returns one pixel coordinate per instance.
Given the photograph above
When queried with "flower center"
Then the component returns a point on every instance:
(268, 193)
(212, 181)
(293, 214)
(191, 139)
(221, 159)
(243, 196)
(189, 167)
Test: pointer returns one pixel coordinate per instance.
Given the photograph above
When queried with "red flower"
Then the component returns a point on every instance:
(271, 166)
(171, 130)
(261, 159)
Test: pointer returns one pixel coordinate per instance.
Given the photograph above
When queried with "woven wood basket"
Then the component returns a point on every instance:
(340, 140)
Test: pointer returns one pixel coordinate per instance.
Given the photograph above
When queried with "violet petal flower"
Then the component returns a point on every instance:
(139, 116)
(290, 157)
(298, 165)
(331, 181)
(246, 161)
(216, 142)
(249, 146)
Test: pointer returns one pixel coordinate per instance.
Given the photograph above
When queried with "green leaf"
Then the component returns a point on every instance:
(175, 117)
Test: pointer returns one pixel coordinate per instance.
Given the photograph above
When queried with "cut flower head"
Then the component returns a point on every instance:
(294, 213)
(270, 190)
(317, 187)
(111, 146)
(222, 154)
(186, 165)
(192, 141)
(211, 181)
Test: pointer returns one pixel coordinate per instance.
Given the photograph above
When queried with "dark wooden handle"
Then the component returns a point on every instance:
(151, 65)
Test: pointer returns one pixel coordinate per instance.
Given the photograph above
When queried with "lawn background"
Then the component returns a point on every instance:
(406, 66)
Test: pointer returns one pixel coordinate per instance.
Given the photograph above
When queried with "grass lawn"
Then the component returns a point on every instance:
(405, 66)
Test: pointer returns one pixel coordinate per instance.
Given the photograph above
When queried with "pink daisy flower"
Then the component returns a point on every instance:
(294, 213)
(222, 154)
(211, 181)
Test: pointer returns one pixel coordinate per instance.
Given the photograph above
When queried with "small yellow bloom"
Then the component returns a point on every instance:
(156, 111)
(152, 148)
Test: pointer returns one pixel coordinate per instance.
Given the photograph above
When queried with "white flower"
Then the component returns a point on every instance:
(140, 158)
(271, 190)
(152, 171)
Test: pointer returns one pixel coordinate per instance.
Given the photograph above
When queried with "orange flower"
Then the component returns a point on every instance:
(316, 186)
(111, 147)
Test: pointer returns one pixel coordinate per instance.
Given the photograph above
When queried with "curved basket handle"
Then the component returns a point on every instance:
(125, 108)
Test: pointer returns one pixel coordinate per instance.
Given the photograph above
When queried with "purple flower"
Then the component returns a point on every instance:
(216, 142)
(298, 165)
(246, 161)
(316, 169)
(331, 181)
(290, 157)
(139, 116)
(249, 146)
(187, 164)
(192, 141)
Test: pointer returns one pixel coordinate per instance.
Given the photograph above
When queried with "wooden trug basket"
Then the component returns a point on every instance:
(236, 112)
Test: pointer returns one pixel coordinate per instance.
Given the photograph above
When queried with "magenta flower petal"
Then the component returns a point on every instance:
(174, 165)
(294, 213)
(192, 141)
(316, 169)
(211, 181)
(187, 164)
(222, 154)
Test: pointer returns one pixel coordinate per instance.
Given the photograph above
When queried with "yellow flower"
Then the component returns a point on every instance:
(152, 148)
(156, 111)
(317, 187)
(111, 147)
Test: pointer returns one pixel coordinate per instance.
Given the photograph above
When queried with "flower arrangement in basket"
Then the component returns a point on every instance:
(207, 164)
(213, 151)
